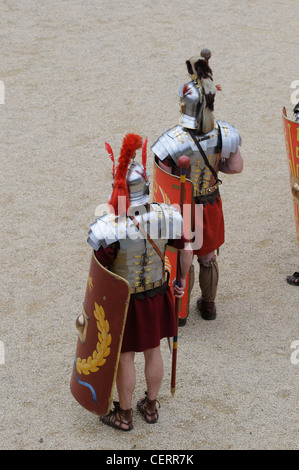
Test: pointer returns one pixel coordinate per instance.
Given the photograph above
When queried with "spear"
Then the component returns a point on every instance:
(184, 164)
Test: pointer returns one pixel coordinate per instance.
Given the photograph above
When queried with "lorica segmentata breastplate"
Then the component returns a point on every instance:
(139, 263)
(223, 140)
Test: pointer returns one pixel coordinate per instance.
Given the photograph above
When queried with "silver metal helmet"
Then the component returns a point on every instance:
(130, 179)
(197, 103)
(192, 104)
(138, 184)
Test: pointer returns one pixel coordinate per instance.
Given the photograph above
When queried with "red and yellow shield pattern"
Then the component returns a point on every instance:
(101, 327)
(166, 189)
(291, 134)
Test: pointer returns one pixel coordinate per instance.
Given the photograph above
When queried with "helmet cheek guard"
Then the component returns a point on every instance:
(197, 97)
(192, 104)
(138, 184)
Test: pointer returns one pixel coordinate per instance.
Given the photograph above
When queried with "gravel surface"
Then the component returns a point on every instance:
(78, 74)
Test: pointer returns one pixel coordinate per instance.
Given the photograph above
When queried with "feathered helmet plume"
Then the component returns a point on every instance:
(111, 154)
(199, 69)
(131, 143)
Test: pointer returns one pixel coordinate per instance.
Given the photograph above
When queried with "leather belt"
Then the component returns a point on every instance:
(205, 191)
(153, 285)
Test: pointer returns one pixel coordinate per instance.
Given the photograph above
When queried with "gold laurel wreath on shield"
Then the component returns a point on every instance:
(102, 351)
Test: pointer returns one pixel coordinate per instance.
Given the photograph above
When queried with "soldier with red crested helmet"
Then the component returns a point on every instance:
(129, 243)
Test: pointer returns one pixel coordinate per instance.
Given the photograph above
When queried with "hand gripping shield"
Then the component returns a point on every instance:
(166, 188)
(101, 327)
(291, 134)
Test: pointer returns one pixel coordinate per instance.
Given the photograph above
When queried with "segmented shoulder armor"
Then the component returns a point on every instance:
(230, 139)
(177, 141)
(162, 222)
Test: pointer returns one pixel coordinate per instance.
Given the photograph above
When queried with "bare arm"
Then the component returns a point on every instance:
(186, 257)
(233, 164)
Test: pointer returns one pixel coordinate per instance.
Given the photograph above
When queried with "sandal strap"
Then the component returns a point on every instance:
(151, 401)
(118, 418)
(148, 409)
(151, 404)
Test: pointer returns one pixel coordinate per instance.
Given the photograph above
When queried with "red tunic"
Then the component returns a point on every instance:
(148, 320)
(213, 223)
(213, 227)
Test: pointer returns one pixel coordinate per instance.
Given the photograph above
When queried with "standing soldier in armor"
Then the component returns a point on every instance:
(212, 146)
(130, 242)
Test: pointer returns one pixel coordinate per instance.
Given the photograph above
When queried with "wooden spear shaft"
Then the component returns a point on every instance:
(184, 164)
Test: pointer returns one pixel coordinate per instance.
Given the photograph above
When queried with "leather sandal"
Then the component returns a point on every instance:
(118, 418)
(148, 409)
(293, 279)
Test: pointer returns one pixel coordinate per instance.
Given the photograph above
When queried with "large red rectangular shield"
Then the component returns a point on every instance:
(99, 344)
(291, 134)
(166, 188)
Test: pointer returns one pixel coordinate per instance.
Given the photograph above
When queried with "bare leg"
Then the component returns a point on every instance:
(206, 258)
(126, 379)
(121, 416)
(154, 370)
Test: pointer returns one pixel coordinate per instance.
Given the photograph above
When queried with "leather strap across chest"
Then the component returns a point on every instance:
(144, 233)
(212, 170)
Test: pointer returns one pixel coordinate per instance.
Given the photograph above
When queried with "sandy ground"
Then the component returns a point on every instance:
(78, 74)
